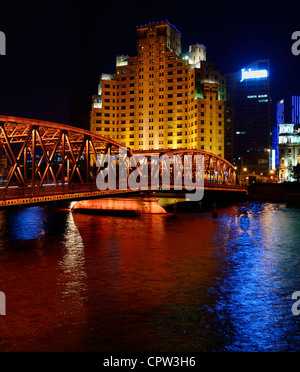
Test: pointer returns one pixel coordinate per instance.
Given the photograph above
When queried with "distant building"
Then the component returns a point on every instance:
(289, 150)
(250, 96)
(163, 98)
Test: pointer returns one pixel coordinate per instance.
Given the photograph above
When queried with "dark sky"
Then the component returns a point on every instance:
(56, 50)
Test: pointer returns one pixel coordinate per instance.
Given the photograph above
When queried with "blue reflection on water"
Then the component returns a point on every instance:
(187, 284)
(28, 224)
(259, 278)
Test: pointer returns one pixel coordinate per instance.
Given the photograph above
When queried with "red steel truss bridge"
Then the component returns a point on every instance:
(42, 162)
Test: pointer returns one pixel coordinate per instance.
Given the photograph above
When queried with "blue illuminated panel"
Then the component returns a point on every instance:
(296, 109)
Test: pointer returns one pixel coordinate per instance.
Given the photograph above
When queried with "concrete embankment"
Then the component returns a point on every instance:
(119, 207)
(288, 192)
(220, 198)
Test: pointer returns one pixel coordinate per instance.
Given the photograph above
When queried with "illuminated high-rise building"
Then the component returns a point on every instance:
(288, 111)
(289, 150)
(250, 96)
(162, 98)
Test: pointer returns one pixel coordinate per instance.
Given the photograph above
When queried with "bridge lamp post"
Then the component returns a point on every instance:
(244, 170)
(272, 172)
(237, 173)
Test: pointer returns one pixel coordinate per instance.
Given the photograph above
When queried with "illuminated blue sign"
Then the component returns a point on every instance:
(254, 74)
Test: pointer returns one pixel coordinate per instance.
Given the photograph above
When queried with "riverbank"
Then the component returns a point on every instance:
(288, 192)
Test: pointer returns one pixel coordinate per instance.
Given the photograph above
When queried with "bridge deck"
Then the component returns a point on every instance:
(15, 196)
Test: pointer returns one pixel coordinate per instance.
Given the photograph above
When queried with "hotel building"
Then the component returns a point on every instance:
(163, 98)
(288, 111)
(289, 150)
(250, 96)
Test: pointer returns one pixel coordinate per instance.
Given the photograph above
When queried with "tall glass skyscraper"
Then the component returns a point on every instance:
(288, 110)
(250, 96)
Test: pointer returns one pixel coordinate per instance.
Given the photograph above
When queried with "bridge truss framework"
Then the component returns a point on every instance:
(49, 161)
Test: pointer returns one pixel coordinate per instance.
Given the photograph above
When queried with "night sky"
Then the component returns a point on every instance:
(57, 50)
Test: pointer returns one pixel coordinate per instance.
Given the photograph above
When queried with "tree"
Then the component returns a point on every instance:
(296, 172)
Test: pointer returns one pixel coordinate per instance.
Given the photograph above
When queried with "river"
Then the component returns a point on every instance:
(190, 283)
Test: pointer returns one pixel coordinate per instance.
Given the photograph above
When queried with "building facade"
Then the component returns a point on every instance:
(250, 96)
(289, 150)
(162, 98)
(288, 111)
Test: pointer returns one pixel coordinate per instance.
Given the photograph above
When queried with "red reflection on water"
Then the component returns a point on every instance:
(98, 285)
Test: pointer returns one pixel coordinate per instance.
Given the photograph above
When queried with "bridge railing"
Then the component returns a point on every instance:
(31, 192)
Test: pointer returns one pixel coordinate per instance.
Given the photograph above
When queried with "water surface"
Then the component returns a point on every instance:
(76, 282)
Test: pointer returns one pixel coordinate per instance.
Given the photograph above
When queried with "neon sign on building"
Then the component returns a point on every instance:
(253, 74)
(286, 129)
